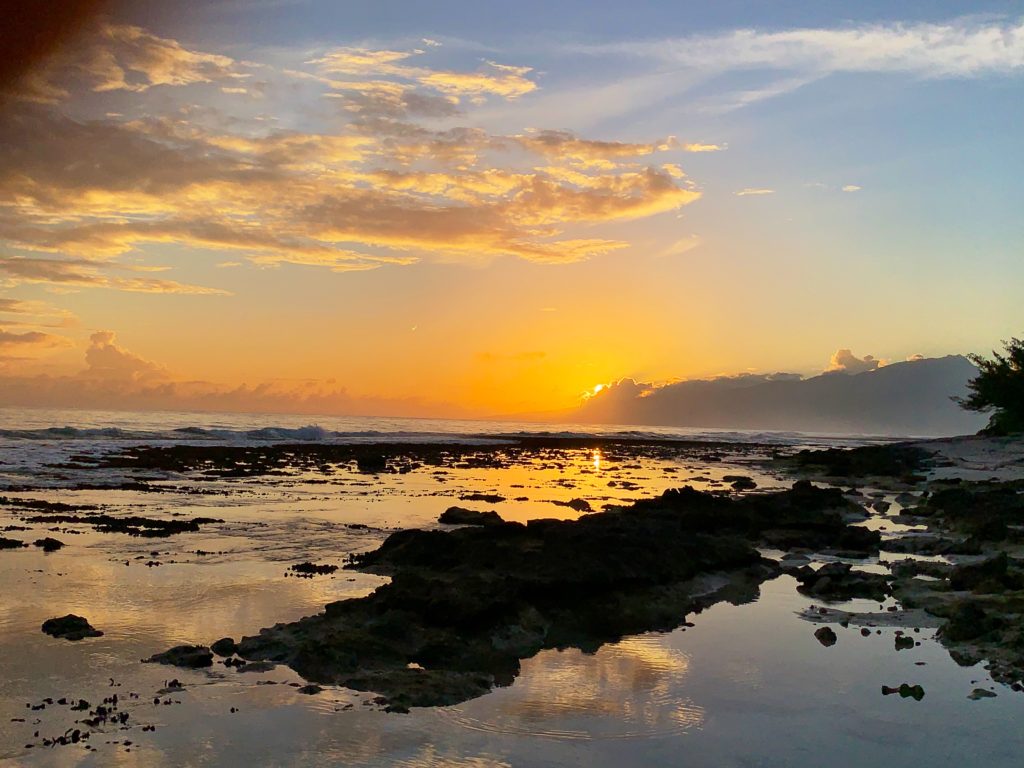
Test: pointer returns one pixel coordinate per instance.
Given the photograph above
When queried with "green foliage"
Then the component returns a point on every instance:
(999, 387)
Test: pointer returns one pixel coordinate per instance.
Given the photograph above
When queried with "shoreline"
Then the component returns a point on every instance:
(551, 473)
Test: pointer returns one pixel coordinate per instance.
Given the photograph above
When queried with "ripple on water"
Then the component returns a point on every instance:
(634, 689)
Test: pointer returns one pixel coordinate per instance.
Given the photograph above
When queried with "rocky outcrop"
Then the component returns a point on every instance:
(465, 606)
(70, 627)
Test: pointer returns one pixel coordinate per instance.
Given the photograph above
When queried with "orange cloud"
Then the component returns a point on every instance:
(385, 188)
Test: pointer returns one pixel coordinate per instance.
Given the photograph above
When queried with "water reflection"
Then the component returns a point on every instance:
(631, 689)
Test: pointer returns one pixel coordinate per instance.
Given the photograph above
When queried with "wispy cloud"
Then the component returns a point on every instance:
(958, 48)
(754, 191)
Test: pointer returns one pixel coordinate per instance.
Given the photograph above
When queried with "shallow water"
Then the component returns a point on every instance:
(748, 685)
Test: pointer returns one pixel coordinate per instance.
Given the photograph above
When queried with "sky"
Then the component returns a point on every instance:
(477, 209)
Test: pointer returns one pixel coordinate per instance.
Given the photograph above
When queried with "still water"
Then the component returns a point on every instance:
(747, 685)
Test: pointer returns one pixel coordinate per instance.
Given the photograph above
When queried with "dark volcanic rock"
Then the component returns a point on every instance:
(70, 627)
(740, 482)
(826, 636)
(897, 460)
(226, 646)
(313, 569)
(463, 516)
(6, 543)
(488, 498)
(49, 545)
(986, 511)
(191, 656)
(371, 464)
(465, 606)
(838, 581)
(579, 505)
(133, 525)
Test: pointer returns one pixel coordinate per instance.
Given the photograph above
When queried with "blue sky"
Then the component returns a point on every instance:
(519, 201)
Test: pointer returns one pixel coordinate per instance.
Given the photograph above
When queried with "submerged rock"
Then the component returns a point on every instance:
(826, 636)
(980, 693)
(313, 569)
(463, 516)
(70, 627)
(190, 656)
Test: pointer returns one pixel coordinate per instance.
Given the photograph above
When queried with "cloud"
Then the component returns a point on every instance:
(13, 305)
(698, 147)
(117, 379)
(844, 361)
(681, 246)
(86, 274)
(852, 188)
(958, 48)
(494, 79)
(104, 359)
(754, 191)
(121, 57)
(29, 340)
(304, 198)
(391, 182)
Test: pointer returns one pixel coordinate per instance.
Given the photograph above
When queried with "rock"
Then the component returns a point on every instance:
(896, 460)
(838, 581)
(6, 543)
(990, 575)
(313, 569)
(464, 606)
(969, 621)
(190, 656)
(980, 693)
(740, 482)
(310, 690)
(225, 647)
(70, 627)
(371, 464)
(463, 516)
(826, 636)
(487, 498)
(904, 643)
(580, 505)
(987, 511)
(49, 545)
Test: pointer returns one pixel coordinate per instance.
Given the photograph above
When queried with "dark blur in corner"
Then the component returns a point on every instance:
(33, 30)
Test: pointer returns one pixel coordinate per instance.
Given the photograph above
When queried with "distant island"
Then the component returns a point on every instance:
(907, 398)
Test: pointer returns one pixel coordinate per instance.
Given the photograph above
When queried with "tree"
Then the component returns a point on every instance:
(999, 387)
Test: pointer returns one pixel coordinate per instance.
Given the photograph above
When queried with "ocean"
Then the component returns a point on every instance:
(743, 684)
